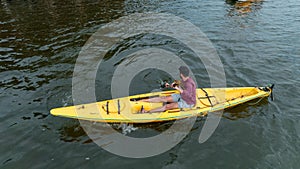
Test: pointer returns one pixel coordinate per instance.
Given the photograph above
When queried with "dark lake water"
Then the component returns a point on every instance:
(258, 44)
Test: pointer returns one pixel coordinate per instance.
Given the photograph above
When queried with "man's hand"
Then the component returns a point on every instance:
(174, 85)
(178, 88)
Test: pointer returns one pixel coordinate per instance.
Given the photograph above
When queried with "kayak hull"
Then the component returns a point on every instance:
(128, 109)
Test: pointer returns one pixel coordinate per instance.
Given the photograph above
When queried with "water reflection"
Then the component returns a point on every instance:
(73, 133)
(245, 110)
(243, 7)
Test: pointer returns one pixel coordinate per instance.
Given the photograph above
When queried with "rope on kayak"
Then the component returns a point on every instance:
(207, 96)
(205, 104)
(252, 104)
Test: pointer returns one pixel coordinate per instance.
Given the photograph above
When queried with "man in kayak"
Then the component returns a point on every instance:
(186, 98)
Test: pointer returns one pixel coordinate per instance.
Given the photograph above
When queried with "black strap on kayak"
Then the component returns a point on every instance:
(118, 106)
(107, 112)
(207, 96)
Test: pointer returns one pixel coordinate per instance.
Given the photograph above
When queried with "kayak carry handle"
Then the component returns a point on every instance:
(107, 103)
(119, 107)
(269, 88)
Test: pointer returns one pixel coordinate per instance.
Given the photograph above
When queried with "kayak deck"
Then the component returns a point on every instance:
(127, 109)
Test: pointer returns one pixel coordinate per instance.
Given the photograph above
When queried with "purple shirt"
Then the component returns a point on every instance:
(189, 91)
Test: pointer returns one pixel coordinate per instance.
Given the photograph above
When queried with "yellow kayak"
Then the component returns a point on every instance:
(128, 109)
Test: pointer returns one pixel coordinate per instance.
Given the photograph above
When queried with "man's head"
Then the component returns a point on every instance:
(183, 70)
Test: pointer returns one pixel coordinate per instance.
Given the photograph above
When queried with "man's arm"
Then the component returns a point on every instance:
(187, 92)
(179, 89)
